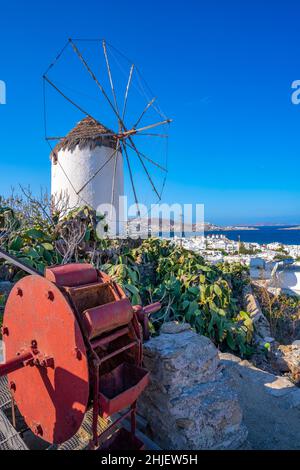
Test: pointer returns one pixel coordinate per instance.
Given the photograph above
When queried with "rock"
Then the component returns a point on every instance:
(262, 329)
(189, 403)
(270, 405)
(184, 423)
(289, 358)
(173, 327)
(183, 359)
(278, 361)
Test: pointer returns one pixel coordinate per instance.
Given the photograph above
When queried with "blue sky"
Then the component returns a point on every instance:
(222, 70)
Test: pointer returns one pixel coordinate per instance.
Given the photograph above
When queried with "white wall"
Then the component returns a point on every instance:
(289, 278)
(74, 169)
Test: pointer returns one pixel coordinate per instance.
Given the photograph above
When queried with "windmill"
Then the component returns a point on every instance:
(100, 157)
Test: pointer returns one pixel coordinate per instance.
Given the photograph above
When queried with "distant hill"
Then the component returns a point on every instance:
(165, 225)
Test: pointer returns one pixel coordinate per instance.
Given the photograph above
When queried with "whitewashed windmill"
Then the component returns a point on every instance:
(92, 158)
(88, 163)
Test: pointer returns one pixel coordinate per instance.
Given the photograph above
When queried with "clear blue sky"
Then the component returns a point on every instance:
(222, 69)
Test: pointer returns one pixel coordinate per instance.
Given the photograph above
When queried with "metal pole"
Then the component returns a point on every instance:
(13, 260)
(16, 363)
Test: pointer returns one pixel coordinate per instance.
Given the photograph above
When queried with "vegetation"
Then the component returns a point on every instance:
(190, 290)
(282, 312)
(152, 270)
(245, 251)
(281, 257)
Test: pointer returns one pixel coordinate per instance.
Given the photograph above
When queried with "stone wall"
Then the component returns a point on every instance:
(189, 403)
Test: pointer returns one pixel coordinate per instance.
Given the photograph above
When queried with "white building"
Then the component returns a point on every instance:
(87, 169)
(287, 277)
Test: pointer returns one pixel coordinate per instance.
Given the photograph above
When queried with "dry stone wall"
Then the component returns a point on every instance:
(189, 403)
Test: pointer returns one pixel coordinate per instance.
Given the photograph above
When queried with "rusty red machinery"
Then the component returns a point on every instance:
(74, 341)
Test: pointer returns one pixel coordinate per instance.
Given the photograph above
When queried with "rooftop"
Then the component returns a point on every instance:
(87, 133)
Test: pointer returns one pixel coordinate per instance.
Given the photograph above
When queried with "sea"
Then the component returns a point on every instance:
(263, 235)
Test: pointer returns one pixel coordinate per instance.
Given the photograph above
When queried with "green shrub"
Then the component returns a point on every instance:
(190, 290)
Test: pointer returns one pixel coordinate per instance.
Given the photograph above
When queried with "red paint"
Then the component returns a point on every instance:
(71, 275)
(121, 388)
(16, 363)
(107, 317)
(62, 357)
(45, 395)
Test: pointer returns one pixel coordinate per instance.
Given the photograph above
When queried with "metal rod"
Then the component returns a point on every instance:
(13, 260)
(76, 50)
(145, 168)
(118, 351)
(151, 126)
(131, 180)
(110, 76)
(127, 90)
(96, 380)
(103, 341)
(147, 158)
(145, 110)
(16, 363)
(133, 419)
(151, 134)
(114, 180)
(13, 411)
(69, 99)
(103, 436)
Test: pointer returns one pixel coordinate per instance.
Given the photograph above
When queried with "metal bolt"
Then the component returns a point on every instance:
(78, 354)
(12, 386)
(19, 292)
(47, 362)
(38, 430)
(50, 295)
(34, 344)
(5, 331)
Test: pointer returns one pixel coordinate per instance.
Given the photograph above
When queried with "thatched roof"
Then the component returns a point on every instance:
(87, 133)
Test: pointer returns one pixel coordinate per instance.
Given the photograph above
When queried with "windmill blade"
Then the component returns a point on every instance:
(147, 158)
(45, 110)
(114, 175)
(76, 50)
(106, 96)
(131, 179)
(110, 76)
(118, 105)
(57, 57)
(69, 99)
(127, 91)
(163, 136)
(151, 126)
(145, 168)
(143, 113)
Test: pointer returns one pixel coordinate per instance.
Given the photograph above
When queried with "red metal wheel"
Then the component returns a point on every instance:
(52, 391)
